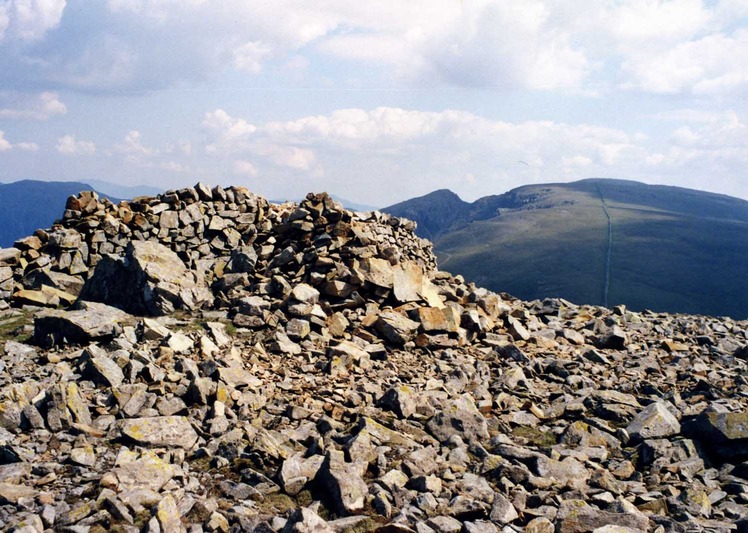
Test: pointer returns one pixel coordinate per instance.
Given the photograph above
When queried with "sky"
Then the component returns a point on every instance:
(375, 101)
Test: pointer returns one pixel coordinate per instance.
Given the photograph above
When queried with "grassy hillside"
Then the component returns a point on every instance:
(672, 249)
(28, 205)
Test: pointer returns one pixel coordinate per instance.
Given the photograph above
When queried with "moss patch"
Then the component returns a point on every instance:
(13, 327)
(542, 439)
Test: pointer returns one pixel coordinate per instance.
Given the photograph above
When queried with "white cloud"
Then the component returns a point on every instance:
(173, 166)
(245, 168)
(586, 46)
(39, 107)
(644, 21)
(249, 56)
(6, 146)
(29, 20)
(231, 133)
(388, 154)
(290, 157)
(133, 145)
(713, 64)
(69, 145)
(4, 143)
(29, 147)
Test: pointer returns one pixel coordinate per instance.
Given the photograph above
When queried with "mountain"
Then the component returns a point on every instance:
(596, 241)
(28, 205)
(123, 191)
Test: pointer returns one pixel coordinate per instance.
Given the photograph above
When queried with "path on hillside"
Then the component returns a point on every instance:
(609, 249)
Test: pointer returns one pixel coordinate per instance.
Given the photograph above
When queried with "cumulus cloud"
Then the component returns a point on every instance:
(29, 20)
(249, 56)
(230, 134)
(6, 145)
(716, 63)
(245, 168)
(69, 145)
(396, 153)
(547, 45)
(34, 107)
(133, 145)
(144, 156)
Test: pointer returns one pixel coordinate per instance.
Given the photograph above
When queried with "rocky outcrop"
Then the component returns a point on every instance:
(308, 369)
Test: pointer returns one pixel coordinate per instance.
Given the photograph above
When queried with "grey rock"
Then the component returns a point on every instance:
(150, 280)
(159, 431)
(93, 322)
(395, 327)
(654, 421)
(344, 482)
(459, 417)
(576, 516)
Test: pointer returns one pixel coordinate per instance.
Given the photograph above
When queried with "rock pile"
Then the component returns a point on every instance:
(219, 363)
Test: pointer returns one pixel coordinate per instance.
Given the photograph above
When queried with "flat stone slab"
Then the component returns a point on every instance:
(169, 431)
(92, 322)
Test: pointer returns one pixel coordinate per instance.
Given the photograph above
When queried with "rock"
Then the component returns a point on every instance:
(725, 433)
(11, 493)
(180, 343)
(159, 431)
(444, 524)
(305, 293)
(92, 322)
(344, 482)
(297, 471)
(407, 282)
(654, 421)
(459, 417)
(575, 516)
(169, 518)
(480, 526)
(568, 472)
(145, 472)
(615, 339)
(402, 400)
(378, 272)
(305, 520)
(540, 525)
(150, 280)
(395, 327)
(84, 456)
(243, 260)
(9, 256)
(105, 370)
(502, 511)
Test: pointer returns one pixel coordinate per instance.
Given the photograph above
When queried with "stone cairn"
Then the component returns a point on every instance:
(207, 361)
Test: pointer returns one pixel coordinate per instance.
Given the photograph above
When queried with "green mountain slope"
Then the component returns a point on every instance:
(669, 248)
(28, 205)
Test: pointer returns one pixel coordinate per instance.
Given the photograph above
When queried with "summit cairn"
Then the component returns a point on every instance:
(204, 360)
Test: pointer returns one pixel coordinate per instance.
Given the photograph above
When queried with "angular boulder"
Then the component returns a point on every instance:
(90, 322)
(173, 431)
(653, 422)
(459, 417)
(150, 280)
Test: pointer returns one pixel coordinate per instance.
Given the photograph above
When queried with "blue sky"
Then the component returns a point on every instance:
(376, 101)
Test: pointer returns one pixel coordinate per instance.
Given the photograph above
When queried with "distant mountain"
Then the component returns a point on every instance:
(123, 191)
(596, 241)
(28, 205)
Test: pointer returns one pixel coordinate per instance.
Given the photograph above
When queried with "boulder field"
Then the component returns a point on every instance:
(205, 360)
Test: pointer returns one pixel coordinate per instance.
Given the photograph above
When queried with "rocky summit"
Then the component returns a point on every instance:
(207, 361)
